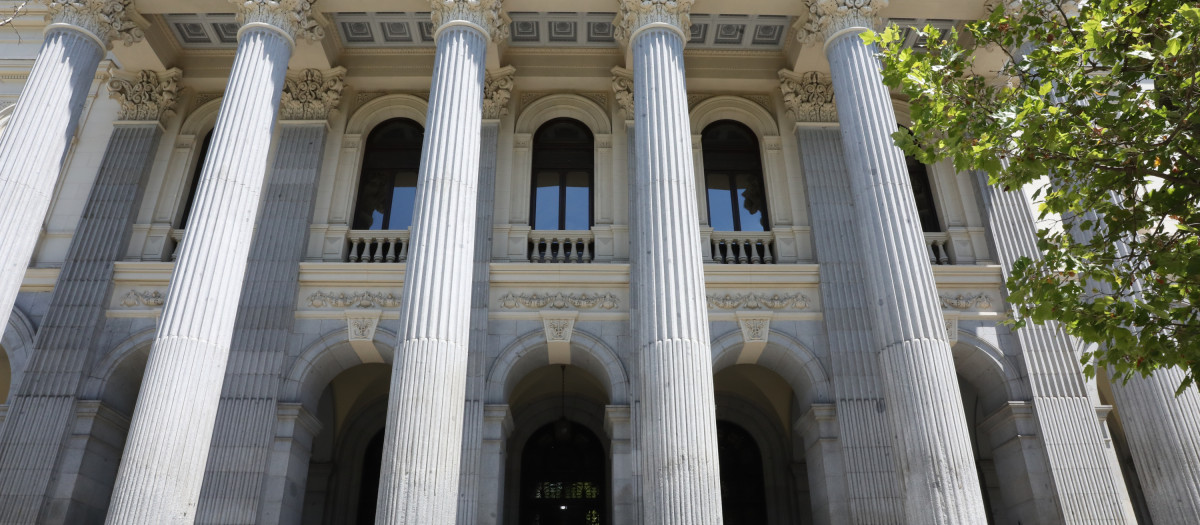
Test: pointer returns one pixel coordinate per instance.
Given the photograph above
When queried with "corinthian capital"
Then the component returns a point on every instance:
(311, 94)
(497, 88)
(808, 96)
(827, 17)
(636, 14)
(147, 95)
(487, 14)
(294, 17)
(107, 20)
(622, 85)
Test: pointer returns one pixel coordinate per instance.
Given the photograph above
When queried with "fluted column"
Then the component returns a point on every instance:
(246, 418)
(497, 90)
(43, 408)
(864, 429)
(932, 445)
(42, 124)
(677, 424)
(422, 442)
(162, 468)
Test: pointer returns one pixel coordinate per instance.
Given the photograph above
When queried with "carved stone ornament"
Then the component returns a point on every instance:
(109, 20)
(757, 301)
(152, 298)
(353, 300)
(148, 95)
(497, 89)
(483, 13)
(311, 94)
(360, 330)
(965, 301)
(755, 328)
(952, 329)
(808, 96)
(826, 17)
(622, 84)
(637, 13)
(292, 16)
(559, 301)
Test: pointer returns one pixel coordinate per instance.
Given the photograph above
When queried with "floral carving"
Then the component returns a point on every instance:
(134, 298)
(311, 94)
(582, 301)
(497, 89)
(362, 328)
(808, 96)
(109, 20)
(827, 17)
(147, 96)
(353, 300)
(637, 13)
(558, 329)
(755, 329)
(293, 16)
(622, 84)
(486, 14)
(756, 301)
(966, 302)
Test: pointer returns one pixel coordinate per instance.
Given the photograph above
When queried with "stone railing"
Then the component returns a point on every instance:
(373, 246)
(740, 248)
(937, 243)
(177, 238)
(561, 246)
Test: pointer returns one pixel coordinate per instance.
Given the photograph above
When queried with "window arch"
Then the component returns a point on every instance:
(387, 186)
(733, 178)
(191, 196)
(562, 176)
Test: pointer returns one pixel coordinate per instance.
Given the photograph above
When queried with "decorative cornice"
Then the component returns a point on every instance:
(635, 14)
(311, 94)
(487, 14)
(152, 298)
(622, 85)
(147, 95)
(294, 17)
(756, 301)
(353, 300)
(965, 301)
(108, 20)
(497, 88)
(808, 96)
(557, 300)
(827, 17)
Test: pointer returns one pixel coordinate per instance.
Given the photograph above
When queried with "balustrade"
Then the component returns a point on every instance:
(741, 248)
(561, 246)
(937, 244)
(374, 246)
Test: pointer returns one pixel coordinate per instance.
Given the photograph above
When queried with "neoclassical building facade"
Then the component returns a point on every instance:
(525, 262)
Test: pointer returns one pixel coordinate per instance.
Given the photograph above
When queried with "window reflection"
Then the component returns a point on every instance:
(562, 176)
(387, 188)
(733, 178)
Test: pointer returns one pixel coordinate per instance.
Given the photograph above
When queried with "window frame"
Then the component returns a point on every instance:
(562, 172)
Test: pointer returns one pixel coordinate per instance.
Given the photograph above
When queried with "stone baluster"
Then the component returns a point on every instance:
(43, 408)
(873, 495)
(246, 417)
(422, 443)
(677, 421)
(161, 471)
(935, 462)
(43, 123)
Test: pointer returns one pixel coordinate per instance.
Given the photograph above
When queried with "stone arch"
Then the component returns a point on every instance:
(785, 356)
(387, 107)
(17, 344)
(107, 370)
(323, 360)
(738, 109)
(528, 352)
(576, 107)
(989, 371)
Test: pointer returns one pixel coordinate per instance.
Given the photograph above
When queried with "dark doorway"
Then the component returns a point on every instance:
(743, 495)
(368, 493)
(562, 477)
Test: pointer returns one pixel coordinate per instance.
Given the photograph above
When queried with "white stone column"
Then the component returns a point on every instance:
(422, 443)
(246, 417)
(43, 123)
(933, 450)
(163, 465)
(44, 406)
(676, 427)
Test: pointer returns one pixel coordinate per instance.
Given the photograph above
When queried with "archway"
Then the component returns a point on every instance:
(743, 493)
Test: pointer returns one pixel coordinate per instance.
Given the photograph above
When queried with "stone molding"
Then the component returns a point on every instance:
(951, 329)
(497, 89)
(107, 20)
(311, 94)
(560, 301)
(758, 301)
(808, 96)
(622, 85)
(293, 17)
(827, 17)
(147, 95)
(152, 298)
(966, 301)
(353, 300)
(636, 14)
(487, 14)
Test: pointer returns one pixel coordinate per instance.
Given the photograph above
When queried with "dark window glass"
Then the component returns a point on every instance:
(918, 174)
(737, 199)
(187, 205)
(387, 187)
(368, 492)
(743, 493)
(561, 197)
(562, 477)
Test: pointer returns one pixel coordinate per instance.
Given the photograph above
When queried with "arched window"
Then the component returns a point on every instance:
(733, 178)
(743, 492)
(562, 176)
(191, 196)
(918, 176)
(387, 186)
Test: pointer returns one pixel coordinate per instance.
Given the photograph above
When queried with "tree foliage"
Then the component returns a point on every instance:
(1097, 104)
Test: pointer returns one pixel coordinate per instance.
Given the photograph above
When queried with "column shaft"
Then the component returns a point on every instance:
(677, 424)
(43, 409)
(423, 439)
(161, 471)
(34, 143)
(933, 450)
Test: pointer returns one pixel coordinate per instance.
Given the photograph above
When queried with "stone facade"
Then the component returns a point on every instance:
(219, 314)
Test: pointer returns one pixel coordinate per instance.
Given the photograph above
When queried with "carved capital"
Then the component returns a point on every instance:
(294, 17)
(107, 20)
(311, 94)
(808, 96)
(497, 88)
(635, 14)
(622, 85)
(487, 14)
(147, 95)
(827, 17)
